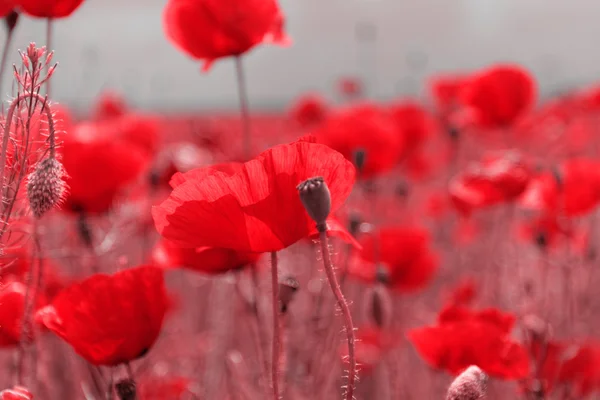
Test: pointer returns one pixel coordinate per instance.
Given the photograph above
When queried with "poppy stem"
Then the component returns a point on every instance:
(34, 278)
(343, 304)
(9, 37)
(244, 110)
(49, 26)
(276, 331)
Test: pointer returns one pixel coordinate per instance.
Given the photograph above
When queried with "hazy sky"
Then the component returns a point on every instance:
(120, 44)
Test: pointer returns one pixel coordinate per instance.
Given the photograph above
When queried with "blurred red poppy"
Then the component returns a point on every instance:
(309, 110)
(49, 8)
(16, 393)
(99, 166)
(366, 128)
(499, 95)
(109, 105)
(208, 30)
(445, 90)
(110, 320)
(398, 256)
(582, 370)
(160, 388)
(372, 345)
(463, 337)
(257, 209)
(497, 178)
(572, 189)
(414, 125)
(12, 299)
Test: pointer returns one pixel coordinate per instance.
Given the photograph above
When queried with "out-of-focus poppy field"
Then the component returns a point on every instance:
(440, 244)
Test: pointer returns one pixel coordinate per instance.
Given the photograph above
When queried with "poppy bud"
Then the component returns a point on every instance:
(354, 223)
(316, 199)
(287, 290)
(126, 389)
(360, 157)
(470, 385)
(382, 275)
(10, 21)
(379, 306)
(45, 186)
(536, 326)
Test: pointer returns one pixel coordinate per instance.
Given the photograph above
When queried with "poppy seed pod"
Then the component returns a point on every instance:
(470, 385)
(126, 389)
(360, 156)
(45, 186)
(316, 199)
(354, 223)
(379, 306)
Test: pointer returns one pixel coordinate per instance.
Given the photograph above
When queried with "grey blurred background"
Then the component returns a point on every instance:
(120, 44)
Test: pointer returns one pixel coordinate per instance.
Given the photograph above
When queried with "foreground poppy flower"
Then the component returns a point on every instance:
(463, 337)
(99, 166)
(49, 8)
(110, 320)
(208, 260)
(257, 209)
(208, 30)
(363, 128)
(499, 95)
(16, 393)
(397, 256)
(498, 178)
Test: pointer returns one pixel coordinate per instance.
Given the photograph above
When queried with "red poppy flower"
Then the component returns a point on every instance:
(208, 260)
(462, 338)
(364, 127)
(350, 87)
(99, 166)
(498, 178)
(110, 320)
(414, 124)
(110, 105)
(6, 6)
(582, 370)
(464, 293)
(209, 30)
(499, 95)
(398, 256)
(309, 110)
(572, 189)
(12, 299)
(49, 8)
(445, 90)
(257, 209)
(16, 393)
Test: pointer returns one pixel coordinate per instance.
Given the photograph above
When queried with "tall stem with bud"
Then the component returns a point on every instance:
(276, 330)
(316, 199)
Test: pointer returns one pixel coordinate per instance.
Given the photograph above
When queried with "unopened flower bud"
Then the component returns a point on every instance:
(45, 186)
(126, 389)
(316, 199)
(354, 222)
(11, 19)
(287, 291)
(470, 385)
(379, 306)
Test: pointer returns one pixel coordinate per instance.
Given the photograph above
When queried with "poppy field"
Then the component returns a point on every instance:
(441, 246)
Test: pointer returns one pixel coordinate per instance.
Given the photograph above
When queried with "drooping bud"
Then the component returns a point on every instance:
(10, 21)
(382, 274)
(126, 389)
(316, 199)
(354, 223)
(45, 186)
(379, 306)
(469, 385)
(287, 290)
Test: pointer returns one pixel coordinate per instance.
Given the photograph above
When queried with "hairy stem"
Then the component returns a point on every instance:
(243, 95)
(276, 330)
(345, 308)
